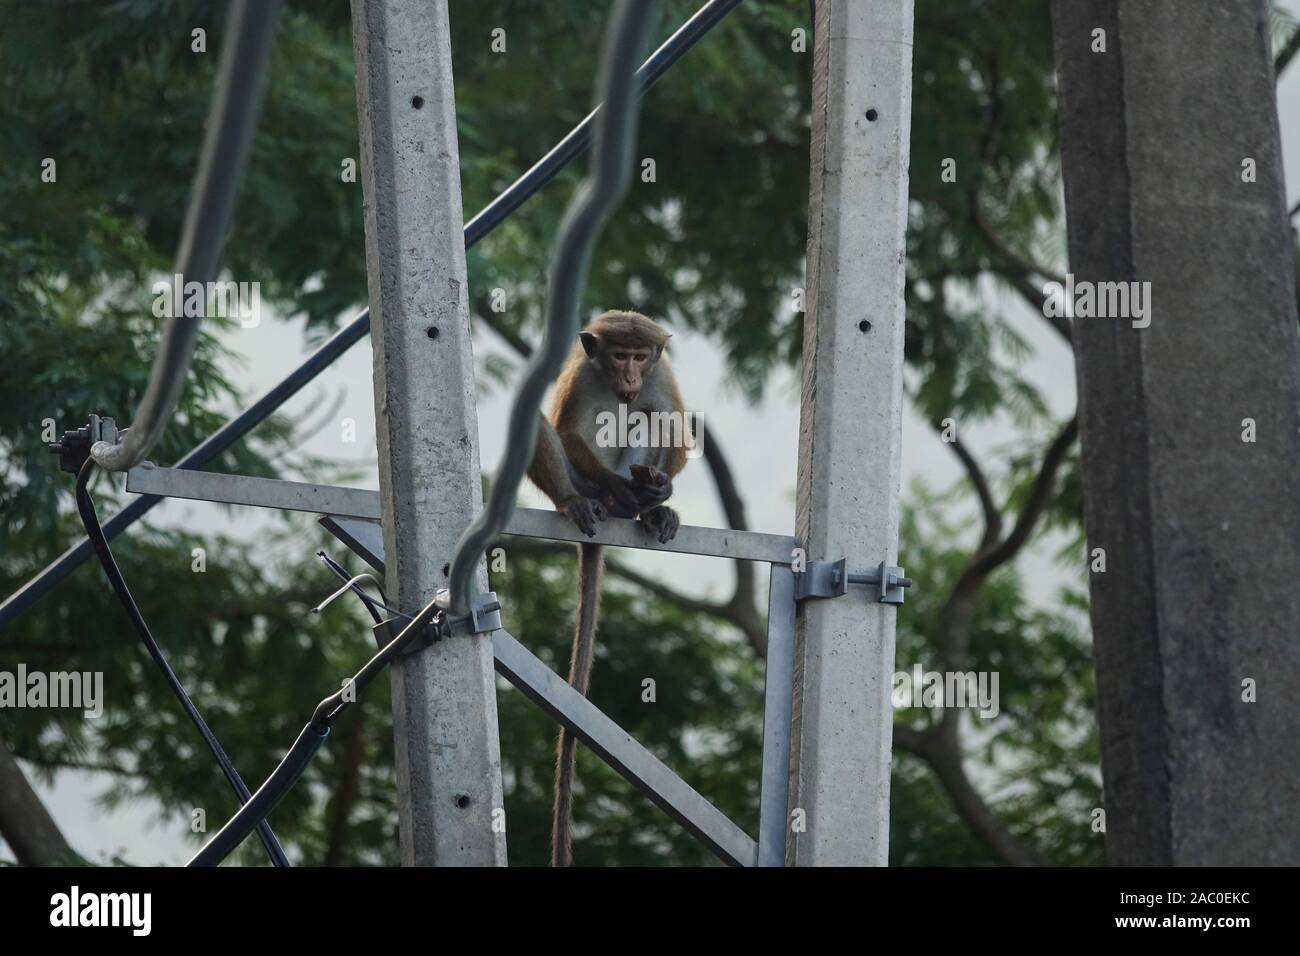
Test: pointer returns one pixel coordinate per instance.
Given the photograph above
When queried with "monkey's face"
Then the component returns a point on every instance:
(625, 366)
(628, 368)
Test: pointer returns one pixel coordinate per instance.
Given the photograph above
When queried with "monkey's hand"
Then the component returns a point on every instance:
(620, 495)
(584, 512)
(651, 486)
(662, 522)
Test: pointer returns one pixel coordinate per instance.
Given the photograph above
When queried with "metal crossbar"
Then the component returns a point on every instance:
(527, 522)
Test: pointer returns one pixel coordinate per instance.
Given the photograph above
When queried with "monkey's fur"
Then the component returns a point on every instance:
(618, 360)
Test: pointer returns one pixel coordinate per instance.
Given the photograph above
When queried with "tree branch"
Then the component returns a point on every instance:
(1022, 263)
(1039, 496)
(988, 826)
(950, 272)
(919, 743)
(1037, 300)
(743, 599)
(943, 754)
(25, 824)
(482, 309)
(1287, 53)
(1017, 270)
(942, 749)
(90, 766)
(349, 786)
(992, 513)
(955, 615)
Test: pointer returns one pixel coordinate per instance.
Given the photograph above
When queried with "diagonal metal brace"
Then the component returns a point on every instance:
(594, 728)
(830, 579)
(616, 747)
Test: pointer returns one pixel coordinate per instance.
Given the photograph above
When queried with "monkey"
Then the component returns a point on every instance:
(618, 360)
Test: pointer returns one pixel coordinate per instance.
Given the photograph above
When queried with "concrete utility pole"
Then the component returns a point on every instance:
(1173, 176)
(850, 426)
(444, 698)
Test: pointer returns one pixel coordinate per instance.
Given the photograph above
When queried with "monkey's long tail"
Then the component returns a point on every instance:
(591, 565)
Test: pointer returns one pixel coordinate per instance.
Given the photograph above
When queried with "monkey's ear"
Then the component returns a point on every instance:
(590, 344)
(659, 352)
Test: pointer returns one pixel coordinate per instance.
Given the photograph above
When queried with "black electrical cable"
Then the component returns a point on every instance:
(86, 507)
(263, 802)
(366, 599)
(576, 142)
(313, 735)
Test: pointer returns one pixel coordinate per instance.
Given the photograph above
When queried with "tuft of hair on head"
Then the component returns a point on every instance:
(628, 329)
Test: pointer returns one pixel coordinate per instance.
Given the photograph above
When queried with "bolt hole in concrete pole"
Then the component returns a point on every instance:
(431, 331)
(864, 326)
(417, 101)
(872, 116)
(462, 801)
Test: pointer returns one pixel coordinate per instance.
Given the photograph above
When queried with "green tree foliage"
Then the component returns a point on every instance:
(115, 95)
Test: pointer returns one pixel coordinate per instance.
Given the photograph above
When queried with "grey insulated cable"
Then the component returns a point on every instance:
(249, 29)
(613, 141)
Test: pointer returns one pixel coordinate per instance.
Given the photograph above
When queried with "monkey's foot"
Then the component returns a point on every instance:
(662, 522)
(585, 512)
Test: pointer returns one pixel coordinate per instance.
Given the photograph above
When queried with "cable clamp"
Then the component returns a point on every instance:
(828, 579)
(484, 615)
(484, 618)
(74, 447)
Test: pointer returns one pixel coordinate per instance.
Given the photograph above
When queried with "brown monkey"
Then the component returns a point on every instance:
(618, 360)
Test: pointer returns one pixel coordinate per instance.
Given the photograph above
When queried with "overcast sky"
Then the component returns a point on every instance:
(761, 442)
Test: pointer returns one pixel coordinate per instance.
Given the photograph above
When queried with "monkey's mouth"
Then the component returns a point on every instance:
(628, 397)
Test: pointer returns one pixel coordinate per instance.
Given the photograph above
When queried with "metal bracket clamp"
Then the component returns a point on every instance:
(484, 616)
(74, 448)
(829, 579)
